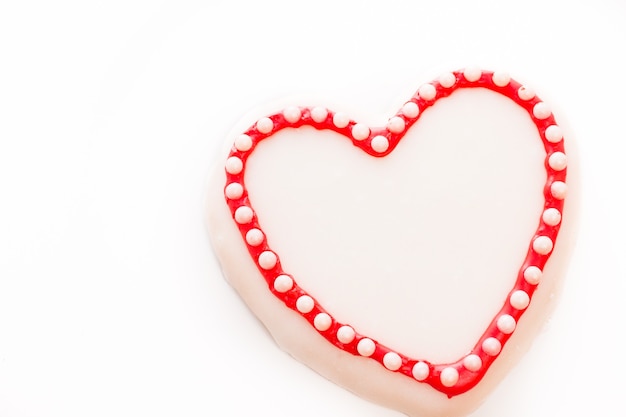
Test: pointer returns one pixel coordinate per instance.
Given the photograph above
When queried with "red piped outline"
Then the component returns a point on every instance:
(467, 379)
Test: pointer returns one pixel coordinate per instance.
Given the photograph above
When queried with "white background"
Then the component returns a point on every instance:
(111, 113)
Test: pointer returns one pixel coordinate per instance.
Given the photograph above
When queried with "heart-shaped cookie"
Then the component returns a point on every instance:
(333, 340)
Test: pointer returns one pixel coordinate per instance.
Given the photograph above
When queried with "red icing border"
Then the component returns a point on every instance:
(466, 378)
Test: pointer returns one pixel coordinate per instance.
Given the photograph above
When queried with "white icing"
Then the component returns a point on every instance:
(519, 300)
(558, 161)
(554, 134)
(396, 124)
(533, 275)
(267, 260)
(345, 334)
(243, 143)
(254, 237)
(472, 363)
(447, 80)
(541, 111)
(283, 283)
(380, 144)
(392, 361)
(420, 371)
(551, 217)
(265, 125)
(410, 110)
(427, 91)
(526, 93)
(506, 324)
(234, 165)
(341, 120)
(292, 114)
(558, 189)
(543, 245)
(305, 304)
(501, 79)
(360, 131)
(243, 215)
(449, 377)
(491, 346)
(472, 74)
(319, 114)
(233, 191)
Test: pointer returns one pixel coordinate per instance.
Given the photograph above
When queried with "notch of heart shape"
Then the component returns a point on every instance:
(450, 378)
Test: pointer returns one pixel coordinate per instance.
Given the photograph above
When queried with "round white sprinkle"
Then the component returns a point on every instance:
(533, 275)
(360, 131)
(447, 80)
(506, 324)
(392, 361)
(345, 334)
(340, 120)
(541, 111)
(366, 347)
(305, 304)
(265, 125)
(501, 79)
(267, 260)
(319, 114)
(525, 93)
(519, 300)
(427, 91)
(472, 362)
(233, 191)
(243, 215)
(551, 217)
(292, 114)
(234, 165)
(472, 74)
(254, 237)
(322, 322)
(283, 283)
(243, 143)
(410, 110)
(558, 161)
(491, 346)
(543, 245)
(420, 371)
(396, 124)
(558, 189)
(554, 134)
(380, 144)
(449, 377)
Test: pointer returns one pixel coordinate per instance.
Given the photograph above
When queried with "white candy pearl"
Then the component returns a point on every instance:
(491, 346)
(525, 93)
(340, 120)
(366, 347)
(396, 124)
(543, 245)
(533, 275)
(322, 322)
(420, 371)
(243, 215)
(501, 79)
(554, 134)
(427, 91)
(265, 125)
(233, 191)
(360, 131)
(305, 304)
(558, 161)
(380, 144)
(234, 165)
(558, 189)
(449, 377)
(267, 260)
(472, 362)
(283, 283)
(541, 111)
(392, 361)
(472, 74)
(410, 110)
(319, 114)
(447, 80)
(506, 324)
(243, 143)
(292, 114)
(254, 237)
(345, 334)
(519, 300)
(551, 217)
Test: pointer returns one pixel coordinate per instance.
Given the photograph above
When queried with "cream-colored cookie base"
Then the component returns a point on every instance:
(416, 250)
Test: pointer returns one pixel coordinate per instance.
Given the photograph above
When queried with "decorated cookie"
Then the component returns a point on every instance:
(410, 261)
